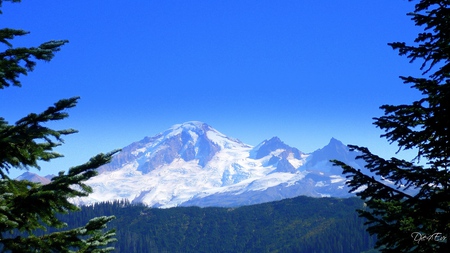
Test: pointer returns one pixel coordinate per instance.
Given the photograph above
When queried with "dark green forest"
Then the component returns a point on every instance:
(301, 224)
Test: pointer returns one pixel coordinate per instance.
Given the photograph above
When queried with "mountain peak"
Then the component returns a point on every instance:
(191, 125)
(190, 141)
(334, 146)
(32, 177)
(275, 139)
(335, 142)
(273, 144)
(334, 150)
(196, 127)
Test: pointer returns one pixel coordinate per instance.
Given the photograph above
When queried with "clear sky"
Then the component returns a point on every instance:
(304, 71)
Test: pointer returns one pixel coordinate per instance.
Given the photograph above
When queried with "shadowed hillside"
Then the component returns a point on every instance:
(301, 224)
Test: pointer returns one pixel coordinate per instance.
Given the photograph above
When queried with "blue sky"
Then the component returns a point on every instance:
(304, 71)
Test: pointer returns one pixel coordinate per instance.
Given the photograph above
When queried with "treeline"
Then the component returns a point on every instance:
(302, 224)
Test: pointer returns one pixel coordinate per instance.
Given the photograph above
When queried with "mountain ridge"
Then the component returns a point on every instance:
(194, 164)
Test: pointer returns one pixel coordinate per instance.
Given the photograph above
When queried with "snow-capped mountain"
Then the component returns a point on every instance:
(194, 164)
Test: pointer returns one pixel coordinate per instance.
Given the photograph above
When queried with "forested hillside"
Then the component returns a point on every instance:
(301, 224)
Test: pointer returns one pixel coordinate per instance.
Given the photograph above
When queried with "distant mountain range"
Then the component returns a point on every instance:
(193, 164)
(35, 178)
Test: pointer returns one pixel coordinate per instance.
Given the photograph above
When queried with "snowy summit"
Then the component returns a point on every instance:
(194, 164)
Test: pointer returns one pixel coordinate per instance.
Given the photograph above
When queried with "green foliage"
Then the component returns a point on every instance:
(301, 224)
(28, 207)
(28, 133)
(424, 125)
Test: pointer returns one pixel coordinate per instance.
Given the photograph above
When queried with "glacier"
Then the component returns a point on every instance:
(195, 164)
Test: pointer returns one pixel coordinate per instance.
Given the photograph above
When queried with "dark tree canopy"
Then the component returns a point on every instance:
(26, 207)
(418, 221)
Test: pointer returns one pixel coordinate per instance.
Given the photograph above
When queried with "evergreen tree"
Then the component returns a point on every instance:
(403, 221)
(27, 207)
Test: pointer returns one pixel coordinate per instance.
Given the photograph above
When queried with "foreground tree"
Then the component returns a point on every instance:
(419, 221)
(28, 208)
